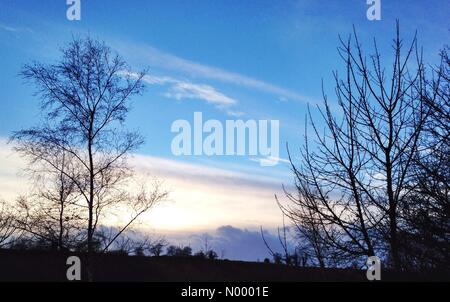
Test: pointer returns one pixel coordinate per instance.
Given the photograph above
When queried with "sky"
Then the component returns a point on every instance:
(249, 60)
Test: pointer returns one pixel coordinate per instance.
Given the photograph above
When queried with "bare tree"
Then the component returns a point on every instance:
(157, 247)
(426, 213)
(51, 212)
(297, 256)
(139, 205)
(311, 246)
(7, 225)
(148, 246)
(352, 177)
(179, 251)
(85, 97)
(85, 101)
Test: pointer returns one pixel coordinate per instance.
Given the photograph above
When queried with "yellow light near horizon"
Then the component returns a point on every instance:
(200, 198)
(169, 218)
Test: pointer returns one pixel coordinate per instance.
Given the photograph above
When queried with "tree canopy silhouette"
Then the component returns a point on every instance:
(82, 139)
(356, 177)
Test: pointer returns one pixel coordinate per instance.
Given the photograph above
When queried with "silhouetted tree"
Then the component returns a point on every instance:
(157, 247)
(277, 258)
(50, 213)
(311, 249)
(289, 256)
(200, 254)
(176, 251)
(139, 204)
(426, 212)
(212, 255)
(7, 225)
(85, 98)
(353, 177)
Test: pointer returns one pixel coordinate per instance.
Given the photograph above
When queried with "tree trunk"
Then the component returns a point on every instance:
(91, 203)
(392, 217)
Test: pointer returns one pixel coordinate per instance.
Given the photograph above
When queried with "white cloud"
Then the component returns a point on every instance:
(180, 90)
(14, 29)
(232, 243)
(186, 90)
(201, 197)
(157, 80)
(204, 197)
(160, 59)
(236, 114)
(269, 160)
(12, 183)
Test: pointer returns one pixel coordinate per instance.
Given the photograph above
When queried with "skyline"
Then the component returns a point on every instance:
(261, 60)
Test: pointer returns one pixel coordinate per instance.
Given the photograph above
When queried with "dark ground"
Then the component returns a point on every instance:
(45, 266)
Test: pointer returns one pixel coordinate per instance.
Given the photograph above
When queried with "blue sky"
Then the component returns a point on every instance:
(267, 58)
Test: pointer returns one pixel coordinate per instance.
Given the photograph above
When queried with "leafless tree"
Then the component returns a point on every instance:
(140, 204)
(311, 246)
(179, 251)
(85, 100)
(352, 177)
(297, 256)
(157, 247)
(85, 97)
(50, 212)
(146, 245)
(7, 225)
(426, 213)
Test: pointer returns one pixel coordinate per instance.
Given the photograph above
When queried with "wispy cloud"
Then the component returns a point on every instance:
(205, 196)
(269, 160)
(157, 58)
(187, 90)
(201, 197)
(14, 29)
(235, 114)
(182, 89)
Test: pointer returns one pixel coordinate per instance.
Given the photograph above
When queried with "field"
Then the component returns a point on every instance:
(51, 266)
